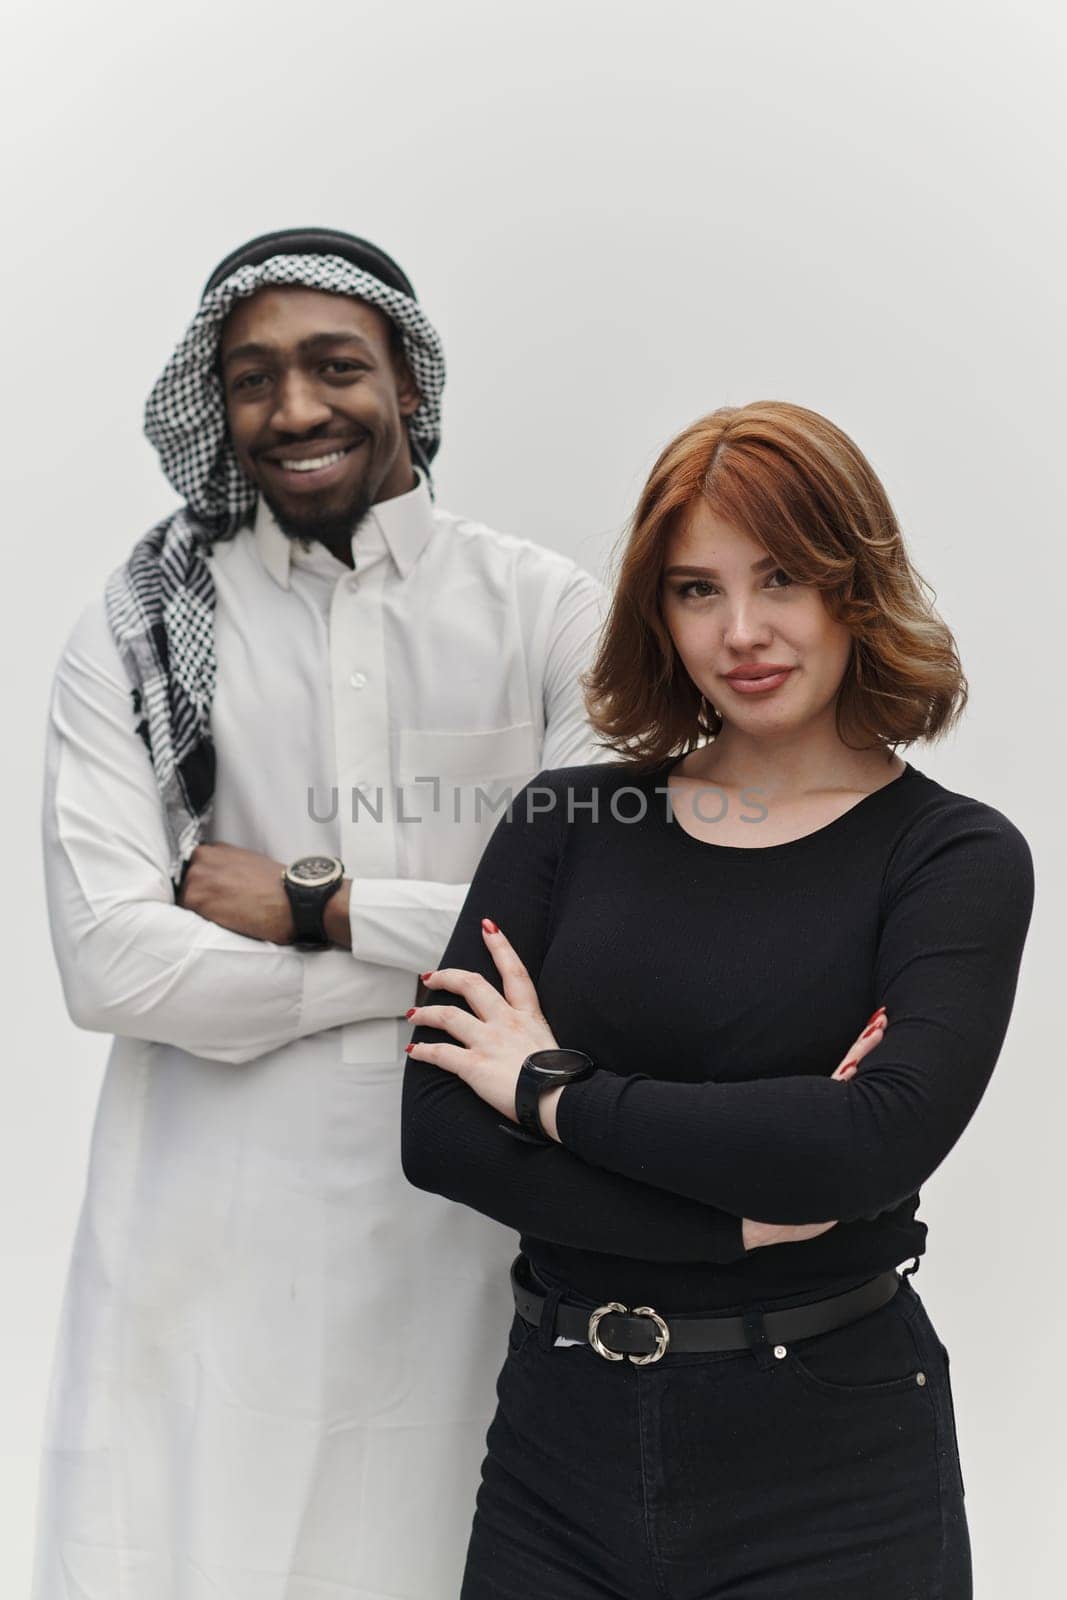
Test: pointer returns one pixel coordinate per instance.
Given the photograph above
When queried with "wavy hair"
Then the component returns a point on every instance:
(799, 486)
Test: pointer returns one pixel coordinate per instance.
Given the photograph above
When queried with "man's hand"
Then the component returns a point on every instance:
(240, 890)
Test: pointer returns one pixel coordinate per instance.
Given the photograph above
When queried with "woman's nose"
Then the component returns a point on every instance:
(745, 625)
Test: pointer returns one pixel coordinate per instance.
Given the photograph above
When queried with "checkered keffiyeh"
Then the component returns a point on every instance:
(185, 417)
(161, 609)
(161, 602)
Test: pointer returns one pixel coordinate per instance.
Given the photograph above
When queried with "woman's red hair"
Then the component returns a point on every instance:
(800, 487)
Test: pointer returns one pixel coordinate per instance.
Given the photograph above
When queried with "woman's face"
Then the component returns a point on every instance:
(729, 607)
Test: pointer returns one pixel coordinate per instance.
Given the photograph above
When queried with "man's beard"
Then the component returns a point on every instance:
(332, 528)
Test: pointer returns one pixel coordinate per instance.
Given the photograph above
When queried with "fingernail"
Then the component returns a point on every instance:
(489, 925)
(410, 1013)
(408, 1048)
(868, 1031)
(872, 1016)
(424, 975)
(848, 1064)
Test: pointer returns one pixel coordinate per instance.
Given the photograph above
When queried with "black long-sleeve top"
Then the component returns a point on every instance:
(717, 988)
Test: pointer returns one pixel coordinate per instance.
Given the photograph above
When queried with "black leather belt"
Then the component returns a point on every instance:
(615, 1331)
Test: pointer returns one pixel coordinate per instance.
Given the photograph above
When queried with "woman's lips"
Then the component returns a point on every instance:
(764, 685)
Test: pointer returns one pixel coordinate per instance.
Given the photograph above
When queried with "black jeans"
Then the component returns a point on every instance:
(828, 1473)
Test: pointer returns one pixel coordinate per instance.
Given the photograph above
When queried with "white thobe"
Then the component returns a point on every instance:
(277, 1359)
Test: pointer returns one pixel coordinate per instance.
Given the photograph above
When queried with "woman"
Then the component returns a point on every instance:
(709, 918)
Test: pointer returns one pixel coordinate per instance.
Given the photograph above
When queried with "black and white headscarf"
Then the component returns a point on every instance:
(161, 609)
(160, 603)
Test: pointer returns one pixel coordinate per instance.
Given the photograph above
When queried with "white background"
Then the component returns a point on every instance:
(620, 216)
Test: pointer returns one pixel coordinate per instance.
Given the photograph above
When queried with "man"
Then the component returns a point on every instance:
(277, 1359)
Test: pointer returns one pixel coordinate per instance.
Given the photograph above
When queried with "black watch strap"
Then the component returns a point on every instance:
(308, 907)
(307, 902)
(541, 1071)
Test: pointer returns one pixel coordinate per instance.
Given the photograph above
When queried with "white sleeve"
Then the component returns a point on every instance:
(409, 921)
(131, 961)
(572, 639)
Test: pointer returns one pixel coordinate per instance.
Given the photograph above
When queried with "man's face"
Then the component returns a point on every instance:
(316, 401)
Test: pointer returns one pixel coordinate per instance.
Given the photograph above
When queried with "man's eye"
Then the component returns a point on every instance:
(344, 367)
(249, 380)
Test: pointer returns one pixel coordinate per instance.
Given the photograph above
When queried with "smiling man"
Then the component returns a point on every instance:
(277, 746)
(318, 391)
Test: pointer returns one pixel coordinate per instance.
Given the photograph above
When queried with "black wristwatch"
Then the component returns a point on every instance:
(541, 1071)
(309, 882)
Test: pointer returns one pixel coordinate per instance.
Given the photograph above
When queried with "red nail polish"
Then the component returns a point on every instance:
(489, 925)
(410, 1013)
(408, 1048)
(872, 1016)
(425, 975)
(868, 1031)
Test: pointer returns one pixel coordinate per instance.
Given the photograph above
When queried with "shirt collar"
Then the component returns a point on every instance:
(404, 523)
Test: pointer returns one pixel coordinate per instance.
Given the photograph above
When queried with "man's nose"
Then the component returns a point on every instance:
(298, 405)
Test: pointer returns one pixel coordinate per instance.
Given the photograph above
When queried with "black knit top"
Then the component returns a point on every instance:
(717, 988)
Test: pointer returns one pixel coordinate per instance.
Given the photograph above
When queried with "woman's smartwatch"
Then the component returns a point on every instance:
(541, 1071)
(309, 882)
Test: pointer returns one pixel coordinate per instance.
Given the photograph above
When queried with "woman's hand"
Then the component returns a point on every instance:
(869, 1039)
(495, 1041)
(756, 1235)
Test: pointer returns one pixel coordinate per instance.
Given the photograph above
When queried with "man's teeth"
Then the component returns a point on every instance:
(315, 464)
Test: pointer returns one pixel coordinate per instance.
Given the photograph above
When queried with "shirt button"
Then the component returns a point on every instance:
(358, 680)
(780, 1352)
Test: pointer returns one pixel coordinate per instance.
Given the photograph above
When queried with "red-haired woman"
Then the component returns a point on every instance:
(717, 1382)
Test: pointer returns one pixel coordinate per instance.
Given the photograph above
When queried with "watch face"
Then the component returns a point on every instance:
(314, 871)
(559, 1066)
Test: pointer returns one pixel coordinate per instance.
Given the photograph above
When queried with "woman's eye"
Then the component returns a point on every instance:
(703, 588)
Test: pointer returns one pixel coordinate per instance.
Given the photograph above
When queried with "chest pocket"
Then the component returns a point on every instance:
(474, 778)
(460, 758)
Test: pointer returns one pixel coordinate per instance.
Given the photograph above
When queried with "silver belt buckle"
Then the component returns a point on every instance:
(663, 1334)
